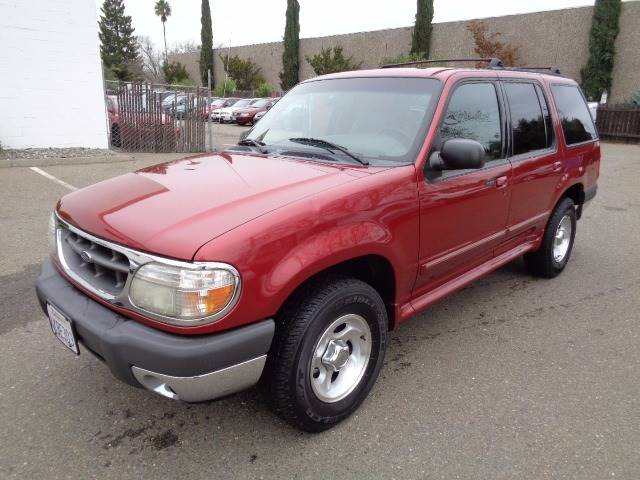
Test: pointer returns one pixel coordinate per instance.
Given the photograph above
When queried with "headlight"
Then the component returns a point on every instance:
(53, 232)
(185, 294)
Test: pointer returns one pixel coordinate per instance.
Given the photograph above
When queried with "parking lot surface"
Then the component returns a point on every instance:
(513, 377)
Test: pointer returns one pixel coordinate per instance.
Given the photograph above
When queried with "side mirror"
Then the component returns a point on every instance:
(458, 154)
(245, 134)
(269, 106)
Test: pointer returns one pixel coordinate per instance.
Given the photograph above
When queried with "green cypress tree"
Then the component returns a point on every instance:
(421, 41)
(206, 47)
(118, 47)
(597, 73)
(290, 57)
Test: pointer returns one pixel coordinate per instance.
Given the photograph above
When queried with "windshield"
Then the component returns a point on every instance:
(383, 120)
(260, 103)
(242, 103)
(217, 103)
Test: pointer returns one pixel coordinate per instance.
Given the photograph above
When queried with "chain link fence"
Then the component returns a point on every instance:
(145, 117)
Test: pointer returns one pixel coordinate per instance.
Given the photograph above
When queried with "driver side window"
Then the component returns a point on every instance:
(473, 113)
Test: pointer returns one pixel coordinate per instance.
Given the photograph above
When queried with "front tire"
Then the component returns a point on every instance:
(327, 354)
(557, 243)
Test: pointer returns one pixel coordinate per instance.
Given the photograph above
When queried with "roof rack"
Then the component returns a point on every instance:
(493, 62)
(549, 70)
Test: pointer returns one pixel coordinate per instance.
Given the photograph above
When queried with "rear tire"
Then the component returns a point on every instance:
(327, 354)
(557, 243)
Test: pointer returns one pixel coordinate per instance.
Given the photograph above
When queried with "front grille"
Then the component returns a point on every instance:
(103, 269)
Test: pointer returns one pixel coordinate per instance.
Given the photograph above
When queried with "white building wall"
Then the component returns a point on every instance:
(51, 88)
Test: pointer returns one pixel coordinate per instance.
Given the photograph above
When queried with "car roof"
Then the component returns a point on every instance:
(444, 73)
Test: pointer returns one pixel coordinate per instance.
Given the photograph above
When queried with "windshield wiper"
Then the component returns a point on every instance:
(248, 142)
(329, 146)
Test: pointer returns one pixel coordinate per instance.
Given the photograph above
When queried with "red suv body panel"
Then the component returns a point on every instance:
(279, 220)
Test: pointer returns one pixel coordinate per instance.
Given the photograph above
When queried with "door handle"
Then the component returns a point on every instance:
(557, 166)
(496, 182)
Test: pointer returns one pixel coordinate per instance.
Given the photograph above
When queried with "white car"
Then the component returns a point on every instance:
(225, 115)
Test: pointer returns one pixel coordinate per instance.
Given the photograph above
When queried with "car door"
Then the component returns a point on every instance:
(534, 157)
(463, 213)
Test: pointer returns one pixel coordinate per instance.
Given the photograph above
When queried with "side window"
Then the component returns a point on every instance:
(577, 124)
(527, 121)
(473, 113)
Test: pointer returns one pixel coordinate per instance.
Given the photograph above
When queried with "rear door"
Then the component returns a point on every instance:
(581, 146)
(533, 153)
(463, 213)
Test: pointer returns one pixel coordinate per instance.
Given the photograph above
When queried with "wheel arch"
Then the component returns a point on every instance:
(373, 269)
(576, 193)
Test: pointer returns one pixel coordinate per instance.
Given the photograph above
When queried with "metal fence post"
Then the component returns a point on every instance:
(209, 124)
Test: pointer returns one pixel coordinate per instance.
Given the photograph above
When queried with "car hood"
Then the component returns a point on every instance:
(172, 209)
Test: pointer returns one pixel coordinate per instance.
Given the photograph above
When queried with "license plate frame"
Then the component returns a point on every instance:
(62, 328)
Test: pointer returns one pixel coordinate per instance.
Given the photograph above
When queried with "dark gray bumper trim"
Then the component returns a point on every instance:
(123, 343)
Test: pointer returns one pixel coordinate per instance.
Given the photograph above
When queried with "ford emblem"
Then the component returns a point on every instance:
(86, 257)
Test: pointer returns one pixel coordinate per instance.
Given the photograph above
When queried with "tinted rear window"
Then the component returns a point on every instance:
(576, 120)
(527, 122)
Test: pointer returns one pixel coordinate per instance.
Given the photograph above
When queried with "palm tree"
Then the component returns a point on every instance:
(163, 10)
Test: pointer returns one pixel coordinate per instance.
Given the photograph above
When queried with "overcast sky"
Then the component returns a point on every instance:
(242, 22)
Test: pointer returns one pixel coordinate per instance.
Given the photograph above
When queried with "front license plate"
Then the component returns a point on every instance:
(62, 329)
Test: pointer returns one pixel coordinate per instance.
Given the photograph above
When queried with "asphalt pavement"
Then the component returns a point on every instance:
(513, 377)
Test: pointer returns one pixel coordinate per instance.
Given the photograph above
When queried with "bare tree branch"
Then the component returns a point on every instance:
(151, 60)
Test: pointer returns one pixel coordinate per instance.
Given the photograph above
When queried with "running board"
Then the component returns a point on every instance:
(418, 304)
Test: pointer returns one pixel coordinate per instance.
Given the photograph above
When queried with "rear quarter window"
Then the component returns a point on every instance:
(577, 124)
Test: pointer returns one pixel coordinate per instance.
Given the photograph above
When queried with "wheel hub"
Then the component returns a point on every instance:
(340, 358)
(562, 239)
(336, 355)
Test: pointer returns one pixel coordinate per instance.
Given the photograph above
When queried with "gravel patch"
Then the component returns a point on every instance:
(42, 153)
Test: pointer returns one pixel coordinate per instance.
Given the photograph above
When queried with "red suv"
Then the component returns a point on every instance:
(358, 201)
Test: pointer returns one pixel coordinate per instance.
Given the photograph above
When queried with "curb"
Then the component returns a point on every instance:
(115, 158)
(48, 162)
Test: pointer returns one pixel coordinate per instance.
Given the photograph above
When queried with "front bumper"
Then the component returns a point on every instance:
(190, 368)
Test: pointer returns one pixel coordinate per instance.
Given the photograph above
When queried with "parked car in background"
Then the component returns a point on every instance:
(220, 103)
(184, 104)
(142, 120)
(217, 112)
(225, 115)
(258, 116)
(162, 96)
(361, 199)
(180, 105)
(172, 102)
(245, 116)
